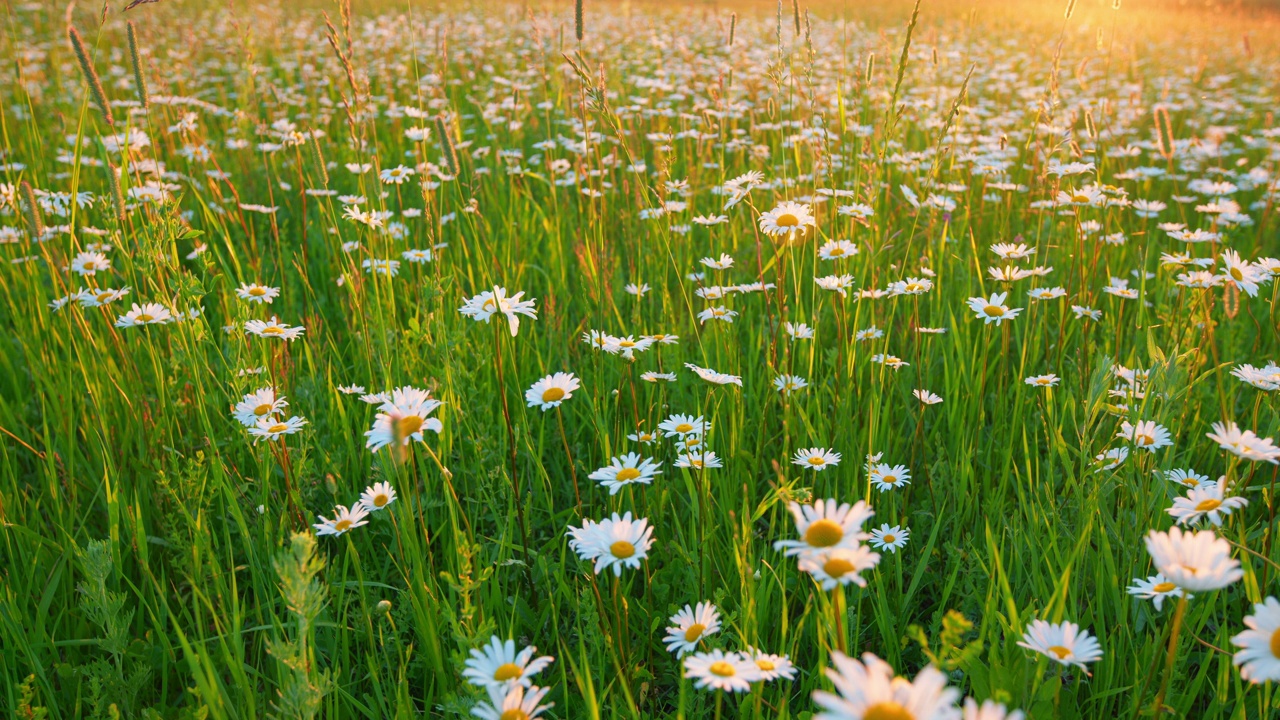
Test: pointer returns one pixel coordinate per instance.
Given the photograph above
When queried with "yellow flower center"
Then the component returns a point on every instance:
(1080, 198)
(102, 296)
(683, 428)
(887, 710)
(272, 330)
(552, 394)
(786, 220)
(342, 525)
(257, 291)
(507, 671)
(626, 343)
(408, 425)
(1275, 643)
(1163, 587)
(993, 310)
(1059, 651)
(1235, 273)
(262, 409)
(380, 500)
(1144, 440)
(514, 714)
(626, 474)
(817, 460)
(489, 305)
(889, 479)
(144, 318)
(622, 549)
(836, 251)
(823, 533)
(88, 265)
(694, 632)
(889, 539)
(765, 665)
(1208, 505)
(722, 669)
(837, 567)
(1042, 381)
(278, 428)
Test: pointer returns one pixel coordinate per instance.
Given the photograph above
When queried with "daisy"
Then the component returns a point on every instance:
(273, 329)
(551, 390)
(512, 702)
(1046, 293)
(614, 542)
(787, 220)
(258, 404)
(90, 263)
(682, 425)
(637, 289)
(798, 331)
(1205, 501)
(1244, 443)
(255, 293)
(989, 710)
(837, 250)
(147, 314)
(1010, 251)
(713, 377)
(824, 524)
(626, 470)
(654, 377)
(690, 626)
(787, 384)
(417, 256)
(498, 665)
(1265, 378)
(646, 438)
(698, 460)
(377, 496)
(1259, 655)
(396, 175)
(718, 670)
(1063, 643)
(837, 283)
(723, 263)
(484, 306)
(1083, 311)
(269, 428)
(868, 690)
(343, 520)
(350, 389)
(771, 667)
(871, 333)
(890, 538)
(1186, 477)
(1155, 588)
(403, 418)
(1044, 381)
(1146, 435)
(887, 477)
(1201, 561)
(911, 286)
(719, 312)
(816, 458)
(927, 397)
(839, 565)
(1110, 459)
(1240, 273)
(993, 309)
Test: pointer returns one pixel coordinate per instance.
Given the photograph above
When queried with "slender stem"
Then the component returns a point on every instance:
(573, 471)
(1173, 650)
(511, 444)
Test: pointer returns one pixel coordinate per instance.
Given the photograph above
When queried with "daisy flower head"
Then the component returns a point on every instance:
(1145, 435)
(682, 425)
(989, 710)
(837, 250)
(1155, 588)
(615, 542)
(396, 175)
(1259, 654)
(270, 428)
(926, 397)
(255, 293)
(718, 670)
(511, 701)
(498, 665)
(868, 690)
(696, 460)
(273, 328)
(816, 458)
(1042, 381)
(798, 331)
(1206, 501)
(630, 469)
(484, 306)
(771, 667)
(836, 283)
(826, 524)
(787, 384)
(654, 377)
(258, 404)
(714, 377)
(551, 390)
(146, 314)
(1198, 561)
(1110, 459)
(1264, 378)
(403, 418)
(689, 626)
(787, 221)
(992, 309)
(890, 538)
(643, 437)
(1186, 477)
(90, 263)
(837, 566)
(1244, 443)
(1063, 643)
(887, 477)
(344, 519)
(378, 496)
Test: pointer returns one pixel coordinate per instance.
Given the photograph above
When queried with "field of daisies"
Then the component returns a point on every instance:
(639, 360)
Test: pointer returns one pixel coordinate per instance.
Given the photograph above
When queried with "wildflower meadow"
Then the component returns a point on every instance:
(819, 359)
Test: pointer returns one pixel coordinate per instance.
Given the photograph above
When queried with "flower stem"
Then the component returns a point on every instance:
(1173, 650)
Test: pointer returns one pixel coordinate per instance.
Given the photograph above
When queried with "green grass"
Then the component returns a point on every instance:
(148, 556)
